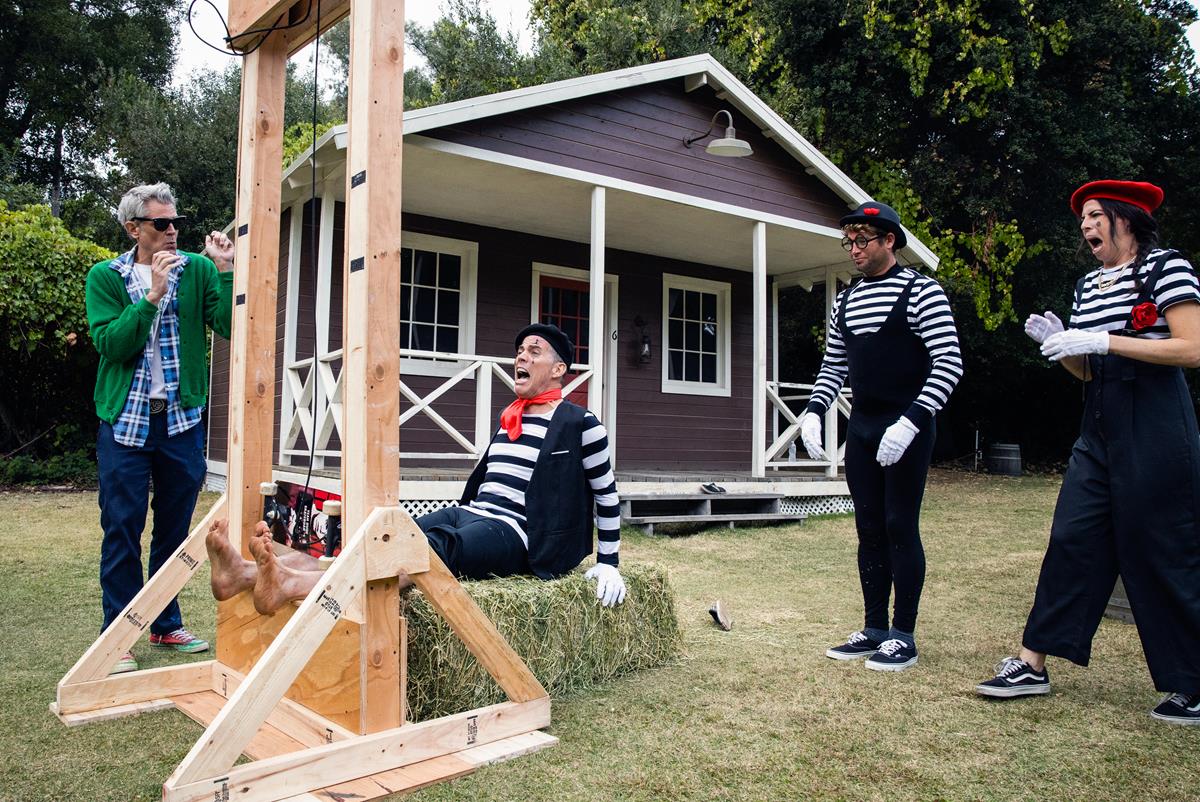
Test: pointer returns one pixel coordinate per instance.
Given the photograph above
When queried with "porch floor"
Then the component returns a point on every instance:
(448, 474)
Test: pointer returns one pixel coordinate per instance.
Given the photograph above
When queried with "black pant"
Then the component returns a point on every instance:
(474, 546)
(1129, 504)
(887, 506)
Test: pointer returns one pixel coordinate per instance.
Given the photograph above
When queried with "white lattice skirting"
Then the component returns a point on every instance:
(816, 505)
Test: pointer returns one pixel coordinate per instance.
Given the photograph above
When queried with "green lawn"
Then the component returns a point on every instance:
(757, 713)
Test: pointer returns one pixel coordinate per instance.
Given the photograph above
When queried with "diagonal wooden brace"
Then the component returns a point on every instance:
(155, 595)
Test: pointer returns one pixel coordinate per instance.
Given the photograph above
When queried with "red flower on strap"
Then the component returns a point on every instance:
(871, 211)
(1144, 315)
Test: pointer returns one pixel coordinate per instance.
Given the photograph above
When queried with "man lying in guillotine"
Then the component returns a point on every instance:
(527, 508)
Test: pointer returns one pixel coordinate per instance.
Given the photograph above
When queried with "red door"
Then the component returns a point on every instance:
(564, 303)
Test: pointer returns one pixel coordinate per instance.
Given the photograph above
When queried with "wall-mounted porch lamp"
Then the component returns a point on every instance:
(644, 355)
(729, 145)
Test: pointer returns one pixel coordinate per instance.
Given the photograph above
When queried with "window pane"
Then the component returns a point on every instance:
(406, 265)
(404, 335)
(422, 337)
(709, 304)
(405, 303)
(423, 304)
(675, 303)
(693, 305)
(570, 302)
(691, 366)
(708, 338)
(675, 334)
(708, 368)
(549, 300)
(675, 368)
(425, 268)
(447, 339)
(581, 354)
(449, 270)
(692, 340)
(447, 307)
(583, 334)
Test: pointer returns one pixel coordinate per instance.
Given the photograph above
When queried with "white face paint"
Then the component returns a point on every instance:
(537, 367)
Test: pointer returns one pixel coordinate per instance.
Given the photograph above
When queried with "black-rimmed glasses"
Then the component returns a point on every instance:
(859, 242)
(163, 223)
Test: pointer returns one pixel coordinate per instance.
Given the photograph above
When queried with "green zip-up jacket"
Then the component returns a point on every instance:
(120, 329)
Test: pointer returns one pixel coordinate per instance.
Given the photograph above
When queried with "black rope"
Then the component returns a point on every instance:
(314, 371)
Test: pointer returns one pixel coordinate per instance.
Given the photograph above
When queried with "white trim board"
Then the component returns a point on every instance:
(694, 70)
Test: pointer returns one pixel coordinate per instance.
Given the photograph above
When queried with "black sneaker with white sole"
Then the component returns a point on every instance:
(857, 646)
(1179, 708)
(893, 655)
(1015, 677)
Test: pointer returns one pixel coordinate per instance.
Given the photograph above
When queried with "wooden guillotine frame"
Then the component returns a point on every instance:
(315, 694)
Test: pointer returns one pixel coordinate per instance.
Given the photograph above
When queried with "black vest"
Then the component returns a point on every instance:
(888, 367)
(559, 504)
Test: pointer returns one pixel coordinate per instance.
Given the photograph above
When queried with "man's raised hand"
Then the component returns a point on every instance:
(219, 248)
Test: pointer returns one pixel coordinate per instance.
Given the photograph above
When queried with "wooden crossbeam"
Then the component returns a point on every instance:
(289, 774)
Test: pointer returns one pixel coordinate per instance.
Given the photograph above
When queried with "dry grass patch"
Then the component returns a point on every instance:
(754, 714)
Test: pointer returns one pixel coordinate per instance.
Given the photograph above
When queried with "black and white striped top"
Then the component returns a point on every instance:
(510, 467)
(1108, 309)
(870, 302)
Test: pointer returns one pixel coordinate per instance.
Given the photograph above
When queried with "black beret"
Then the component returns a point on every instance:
(879, 215)
(557, 338)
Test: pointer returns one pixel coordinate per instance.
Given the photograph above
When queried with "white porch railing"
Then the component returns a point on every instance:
(779, 394)
(328, 416)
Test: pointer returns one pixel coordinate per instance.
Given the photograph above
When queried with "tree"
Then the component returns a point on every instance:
(57, 56)
(45, 357)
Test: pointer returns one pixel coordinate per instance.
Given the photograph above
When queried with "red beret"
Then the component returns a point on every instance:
(1141, 194)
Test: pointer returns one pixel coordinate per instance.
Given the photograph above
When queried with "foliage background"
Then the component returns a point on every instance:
(976, 119)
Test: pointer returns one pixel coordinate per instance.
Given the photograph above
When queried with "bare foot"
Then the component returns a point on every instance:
(231, 574)
(277, 584)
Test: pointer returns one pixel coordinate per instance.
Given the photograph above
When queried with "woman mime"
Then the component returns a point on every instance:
(1130, 499)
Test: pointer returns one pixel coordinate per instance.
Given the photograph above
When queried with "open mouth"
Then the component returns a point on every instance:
(1094, 241)
(521, 373)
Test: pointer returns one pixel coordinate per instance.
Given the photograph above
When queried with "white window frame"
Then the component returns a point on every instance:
(468, 254)
(724, 291)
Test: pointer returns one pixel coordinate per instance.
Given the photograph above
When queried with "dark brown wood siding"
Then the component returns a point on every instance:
(637, 135)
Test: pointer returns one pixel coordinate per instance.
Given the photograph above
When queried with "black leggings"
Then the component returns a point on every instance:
(887, 506)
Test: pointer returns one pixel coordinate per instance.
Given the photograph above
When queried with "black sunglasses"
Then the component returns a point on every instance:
(163, 223)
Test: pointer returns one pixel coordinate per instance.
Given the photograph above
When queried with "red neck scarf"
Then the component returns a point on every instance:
(510, 418)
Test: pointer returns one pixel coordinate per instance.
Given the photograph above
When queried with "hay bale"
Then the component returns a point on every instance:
(566, 638)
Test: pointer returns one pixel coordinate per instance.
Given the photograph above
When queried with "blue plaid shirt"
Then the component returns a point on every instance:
(133, 424)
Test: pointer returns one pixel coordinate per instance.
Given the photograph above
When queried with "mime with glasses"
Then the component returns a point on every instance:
(149, 311)
(892, 334)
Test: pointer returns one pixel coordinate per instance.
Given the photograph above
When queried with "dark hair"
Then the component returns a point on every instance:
(1142, 226)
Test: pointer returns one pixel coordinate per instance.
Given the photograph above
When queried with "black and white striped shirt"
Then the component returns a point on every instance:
(1108, 309)
(510, 467)
(870, 302)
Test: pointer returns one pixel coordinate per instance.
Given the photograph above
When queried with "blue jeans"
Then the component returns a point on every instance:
(177, 466)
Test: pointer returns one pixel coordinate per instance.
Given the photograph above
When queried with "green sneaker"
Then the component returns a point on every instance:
(125, 664)
(180, 640)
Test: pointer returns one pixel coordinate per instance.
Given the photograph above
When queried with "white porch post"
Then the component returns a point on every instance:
(324, 269)
(774, 355)
(758, 425)
(596, 327)
(831, 414)
(287, 405)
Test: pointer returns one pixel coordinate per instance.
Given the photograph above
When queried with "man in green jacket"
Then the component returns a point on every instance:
(149, 311)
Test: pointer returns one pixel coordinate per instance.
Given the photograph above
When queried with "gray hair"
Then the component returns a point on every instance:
(133, 202)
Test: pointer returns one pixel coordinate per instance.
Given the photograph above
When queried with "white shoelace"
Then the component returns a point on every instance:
(1010, 665)
(855, 638)
(1181, 699)
(889, 647)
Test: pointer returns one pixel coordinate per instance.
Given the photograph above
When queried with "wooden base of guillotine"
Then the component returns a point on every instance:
(297, 711)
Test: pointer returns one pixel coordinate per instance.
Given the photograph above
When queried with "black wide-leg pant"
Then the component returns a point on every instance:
(1128, 506)
(887, 506)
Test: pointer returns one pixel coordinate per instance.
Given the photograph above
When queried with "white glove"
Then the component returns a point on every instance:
(810, 435)
(1039, 327)
(1075, 343)
(895, 439)
(610, 587)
